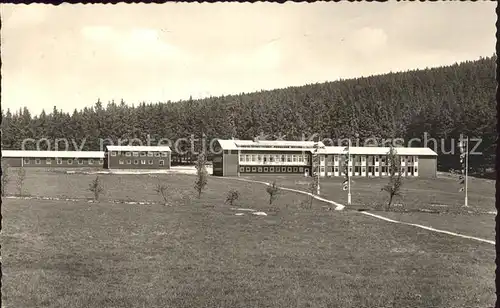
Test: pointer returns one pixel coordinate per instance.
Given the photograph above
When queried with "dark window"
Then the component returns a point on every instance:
(136, 162)
(260, 169)
(150, 162)
(295, 169)
(271, 169)
(27, 161)
(289, 169)
(162, 162)
(37, 161)
(254, 169)
(266, 169)
(242, 169)
(247, 169)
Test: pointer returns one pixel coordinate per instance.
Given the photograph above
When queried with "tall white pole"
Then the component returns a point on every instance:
(318, 163)
(466, 167)
(239, 162)
(349, 173)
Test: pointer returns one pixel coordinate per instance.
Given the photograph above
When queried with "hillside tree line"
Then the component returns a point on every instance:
(442, 102)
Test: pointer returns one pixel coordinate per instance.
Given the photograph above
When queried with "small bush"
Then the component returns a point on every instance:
(232, 196)
(393, 188)
(307, 203)
(96, 188)
(201, 174)
(21, 176)
(5, 177)
(273, 192)
(161, 189)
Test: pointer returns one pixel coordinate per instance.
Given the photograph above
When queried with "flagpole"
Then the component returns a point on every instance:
(318, 163)
(349, 173)
(466, 167)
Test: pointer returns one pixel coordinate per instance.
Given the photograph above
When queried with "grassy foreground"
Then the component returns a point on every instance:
(440, 194)
(197, 253)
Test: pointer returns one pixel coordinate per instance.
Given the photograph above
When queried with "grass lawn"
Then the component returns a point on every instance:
(482, 226)
(417, 193)
(197, 253)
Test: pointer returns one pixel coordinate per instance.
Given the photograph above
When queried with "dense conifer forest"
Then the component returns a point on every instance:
(440, 102)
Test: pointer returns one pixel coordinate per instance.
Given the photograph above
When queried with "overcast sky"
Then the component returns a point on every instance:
(70, 55)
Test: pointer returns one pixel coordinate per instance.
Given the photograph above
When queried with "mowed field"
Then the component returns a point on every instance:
(198, 253)
(431, 202)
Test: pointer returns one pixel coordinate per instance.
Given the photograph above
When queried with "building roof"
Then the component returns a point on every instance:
(278, 145)
(423, 151)
(227, 144)
(268, 145)
(138, 148)
(52, 154)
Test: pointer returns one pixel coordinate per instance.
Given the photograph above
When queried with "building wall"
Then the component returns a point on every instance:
(63, 162)
(12, 161)
(127, 160)
(217, 165)
(331, 165)
(427, 167)
(230, 163)
(377, 166)
(274, 162)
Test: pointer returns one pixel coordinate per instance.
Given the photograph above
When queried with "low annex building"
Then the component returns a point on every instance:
(240, 157)
(66, 159)
(137, 157)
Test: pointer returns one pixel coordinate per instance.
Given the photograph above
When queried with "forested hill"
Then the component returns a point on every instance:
(442, 102)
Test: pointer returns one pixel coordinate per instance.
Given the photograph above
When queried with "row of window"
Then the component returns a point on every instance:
(272, 169)
(281, 158)
(373, 169)
(276, 146)
(59, 161)
(140, 162)
(142, 154)
(373, 158)
(278, 158)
